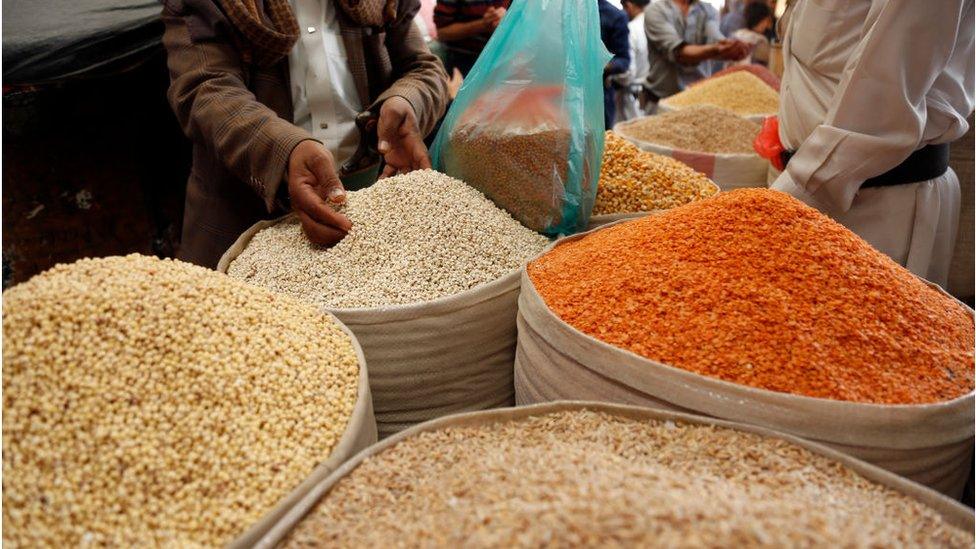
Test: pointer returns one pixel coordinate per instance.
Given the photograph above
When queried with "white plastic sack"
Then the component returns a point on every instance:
(953, 512)
(930, 443)
(360, 433)
(426, 360)
(728, 170)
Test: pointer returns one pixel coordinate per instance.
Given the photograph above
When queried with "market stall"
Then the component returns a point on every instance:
(563, 334)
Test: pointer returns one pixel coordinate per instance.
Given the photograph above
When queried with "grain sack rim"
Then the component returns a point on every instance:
(728, 398)
(664, 106)
(621, 129)
(360, 433)
(599, 220)
(395, 312)
(952, 511)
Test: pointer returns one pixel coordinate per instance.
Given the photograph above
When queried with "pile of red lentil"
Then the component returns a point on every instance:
(756, 288)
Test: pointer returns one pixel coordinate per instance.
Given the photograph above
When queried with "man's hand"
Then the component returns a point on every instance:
(733, 50)
(399, 137)
(494, 16)
(313, 185)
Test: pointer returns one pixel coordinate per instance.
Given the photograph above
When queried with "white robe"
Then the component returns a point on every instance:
(866, 83)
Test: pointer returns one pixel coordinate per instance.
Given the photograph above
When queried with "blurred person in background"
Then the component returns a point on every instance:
(464, 27)
(270, 93)
(873, 93)
(614, 33)
(683, 37)
(759, 19)
(630, 85)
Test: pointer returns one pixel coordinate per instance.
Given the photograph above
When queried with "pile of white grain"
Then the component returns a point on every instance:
(581, 478)
(415, 238)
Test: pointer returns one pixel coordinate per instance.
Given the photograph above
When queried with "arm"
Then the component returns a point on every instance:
(412, 105)
(448, 30)
(213, 105)
(419, 75)
(878, 113)
(459, 31)
(662, 36)
(619, 45)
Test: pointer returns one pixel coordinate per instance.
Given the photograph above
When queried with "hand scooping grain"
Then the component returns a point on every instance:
(415, 237)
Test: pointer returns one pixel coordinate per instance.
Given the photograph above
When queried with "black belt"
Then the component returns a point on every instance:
(927, 163)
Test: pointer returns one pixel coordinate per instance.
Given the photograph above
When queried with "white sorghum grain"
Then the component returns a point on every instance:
(740, 92)
(153, 402)
(414, 238)
(699, 128)
(632, 180)
(582, 478)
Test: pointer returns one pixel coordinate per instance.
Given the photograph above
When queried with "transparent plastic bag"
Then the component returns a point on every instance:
(526, 128)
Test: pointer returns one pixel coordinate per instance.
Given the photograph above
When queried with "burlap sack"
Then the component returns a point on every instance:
(729, 171)
(360, 433)
(435, 358)
(931, 444)
(953, 512)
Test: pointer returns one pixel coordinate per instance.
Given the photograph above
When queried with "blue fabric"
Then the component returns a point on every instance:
(615, 36)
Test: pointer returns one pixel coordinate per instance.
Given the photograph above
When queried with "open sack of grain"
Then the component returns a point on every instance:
(151, 402)
(712, 140)
(634, 183)
(576, 474)
(427, 279)
(741, 92)
(752, 307)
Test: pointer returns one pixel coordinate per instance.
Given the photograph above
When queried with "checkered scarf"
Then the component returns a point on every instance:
(265, 43)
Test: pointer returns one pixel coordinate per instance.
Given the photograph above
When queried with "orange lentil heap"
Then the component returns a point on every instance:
(756, 288)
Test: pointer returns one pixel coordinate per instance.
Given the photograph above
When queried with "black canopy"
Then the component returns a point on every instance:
(48, 41)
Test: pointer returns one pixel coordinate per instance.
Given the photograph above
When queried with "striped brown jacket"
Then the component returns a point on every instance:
(239, 116)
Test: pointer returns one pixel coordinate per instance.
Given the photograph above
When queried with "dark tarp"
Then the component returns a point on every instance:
(46, 41)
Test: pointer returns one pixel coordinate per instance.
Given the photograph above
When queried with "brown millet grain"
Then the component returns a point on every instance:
(756, 288)
(583, 478)
(701, 128)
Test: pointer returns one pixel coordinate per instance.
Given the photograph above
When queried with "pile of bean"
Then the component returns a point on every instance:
(740, 92)
(582, 478)
(632, 180)
(151, 402)
(700, 128)
(415, 238)
(756, 288)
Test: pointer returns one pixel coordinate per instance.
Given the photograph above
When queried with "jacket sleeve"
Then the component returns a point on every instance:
(618, 42)
(419, 76)
(878, 114)
(661, 34)
(213, 105)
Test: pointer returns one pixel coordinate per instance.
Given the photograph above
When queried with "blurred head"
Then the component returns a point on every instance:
(634, 7)
(759, 17)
